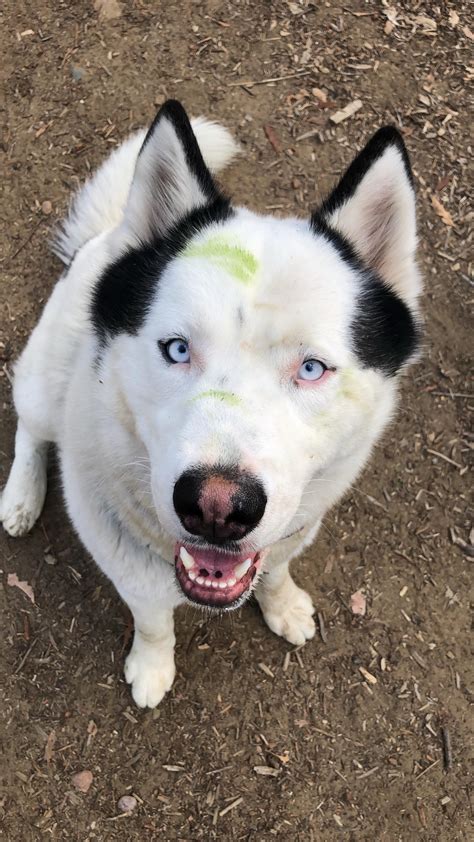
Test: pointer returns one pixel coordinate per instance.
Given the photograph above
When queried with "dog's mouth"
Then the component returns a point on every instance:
(212, 577)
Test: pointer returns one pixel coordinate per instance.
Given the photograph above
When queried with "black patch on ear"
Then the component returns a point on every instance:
(175, 113)
(124, 292)
(377, 145)
(384, 330)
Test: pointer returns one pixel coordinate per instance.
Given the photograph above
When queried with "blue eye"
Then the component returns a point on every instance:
(175, 351)
(311, 370)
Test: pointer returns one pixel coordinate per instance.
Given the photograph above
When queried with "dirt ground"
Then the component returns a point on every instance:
(256, 741)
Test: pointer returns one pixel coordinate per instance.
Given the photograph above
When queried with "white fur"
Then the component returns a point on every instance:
(99, 204)
(128, 427)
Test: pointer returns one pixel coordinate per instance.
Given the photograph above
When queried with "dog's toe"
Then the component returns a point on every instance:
(291, 618)
(151, 674)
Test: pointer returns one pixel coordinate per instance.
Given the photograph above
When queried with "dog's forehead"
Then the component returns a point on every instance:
(272, 278)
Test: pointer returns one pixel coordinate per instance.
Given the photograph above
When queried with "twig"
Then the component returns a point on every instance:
(231, 806)
(25, 656)
(428, 768)
(322, 628)
(28, 239)
(447, 750)
(446, 458)
(250, 84)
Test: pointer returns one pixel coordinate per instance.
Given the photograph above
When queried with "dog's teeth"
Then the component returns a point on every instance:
(208, 583)
(200, 580)
(215, 584)
(231, 582)
(186, 558)
(222, 585)
(192, 575)
(242, 569)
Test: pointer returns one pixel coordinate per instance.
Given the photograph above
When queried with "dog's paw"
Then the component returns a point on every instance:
(290, 614)
(21, 505)
(150, 671)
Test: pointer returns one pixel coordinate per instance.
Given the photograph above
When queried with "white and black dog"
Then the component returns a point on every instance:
(214, 379)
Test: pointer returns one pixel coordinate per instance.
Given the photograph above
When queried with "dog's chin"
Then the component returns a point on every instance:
(216, 579)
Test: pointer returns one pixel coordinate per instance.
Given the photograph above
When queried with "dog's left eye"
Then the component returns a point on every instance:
(175, 351)
(311, 370)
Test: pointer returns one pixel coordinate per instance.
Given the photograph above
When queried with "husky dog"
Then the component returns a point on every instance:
(214, 379)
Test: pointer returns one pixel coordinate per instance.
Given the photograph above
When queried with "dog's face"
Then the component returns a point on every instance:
(258, 357)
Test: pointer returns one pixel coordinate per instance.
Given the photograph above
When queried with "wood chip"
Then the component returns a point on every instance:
(368, 675)
(345, 113)
(443, 214)
(269, 771)
(15, 582)
(231, 806)
(49, 747)
(266, 670)
(272, 138)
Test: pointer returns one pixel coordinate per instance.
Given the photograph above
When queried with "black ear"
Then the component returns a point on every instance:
(373, 207)
(171, 178)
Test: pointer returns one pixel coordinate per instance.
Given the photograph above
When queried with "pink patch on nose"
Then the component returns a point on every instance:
(215, 499)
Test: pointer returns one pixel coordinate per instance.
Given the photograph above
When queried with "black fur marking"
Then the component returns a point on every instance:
(374, 149)
(124, 292)
(384, 330)
(175, 113)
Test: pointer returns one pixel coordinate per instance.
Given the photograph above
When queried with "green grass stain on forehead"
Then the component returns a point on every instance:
(228, 256)
(225, 397)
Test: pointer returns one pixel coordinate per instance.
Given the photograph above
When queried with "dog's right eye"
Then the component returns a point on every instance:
(175, 351)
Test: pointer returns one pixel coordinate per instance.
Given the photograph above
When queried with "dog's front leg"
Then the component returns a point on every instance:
(149, 667)
(287, 609)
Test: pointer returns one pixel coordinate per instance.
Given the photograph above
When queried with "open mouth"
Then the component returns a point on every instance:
(212, 577)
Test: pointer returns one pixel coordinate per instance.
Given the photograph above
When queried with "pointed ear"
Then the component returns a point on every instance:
(170, 178)
(373, 207)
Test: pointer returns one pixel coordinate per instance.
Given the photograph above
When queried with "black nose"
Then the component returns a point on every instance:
(219, 503)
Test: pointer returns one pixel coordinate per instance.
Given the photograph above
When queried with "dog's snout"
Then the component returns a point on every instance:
(219, 504)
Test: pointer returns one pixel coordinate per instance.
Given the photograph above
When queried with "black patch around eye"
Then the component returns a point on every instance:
(385, 332)
(124, 292)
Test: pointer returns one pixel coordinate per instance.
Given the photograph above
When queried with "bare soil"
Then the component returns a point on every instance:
(344, 757)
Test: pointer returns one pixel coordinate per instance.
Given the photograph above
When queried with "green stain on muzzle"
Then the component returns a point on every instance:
(225, 397)
(231, 258)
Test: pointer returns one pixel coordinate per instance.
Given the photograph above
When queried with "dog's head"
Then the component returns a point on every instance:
(257, 356)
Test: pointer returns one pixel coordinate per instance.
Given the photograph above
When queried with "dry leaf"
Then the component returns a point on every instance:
(428, 25)
(14, 582)
(468, 33)
(319, 94)
(295, 9)
(266, 770)
(348, 111)
(49, 747)
(391, 15)
(453, 18)
(82, 780)
(442, 212)
(108, 9)
(358, 603)
(272, 138)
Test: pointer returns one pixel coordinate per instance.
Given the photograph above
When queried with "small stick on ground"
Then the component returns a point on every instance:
(322, 628)
(447, 750)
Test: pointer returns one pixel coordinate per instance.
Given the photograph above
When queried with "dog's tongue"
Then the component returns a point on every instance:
(214, 578)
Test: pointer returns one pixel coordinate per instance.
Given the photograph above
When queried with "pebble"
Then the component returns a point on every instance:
(82, 780)
(127, 803)
(46, 207)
